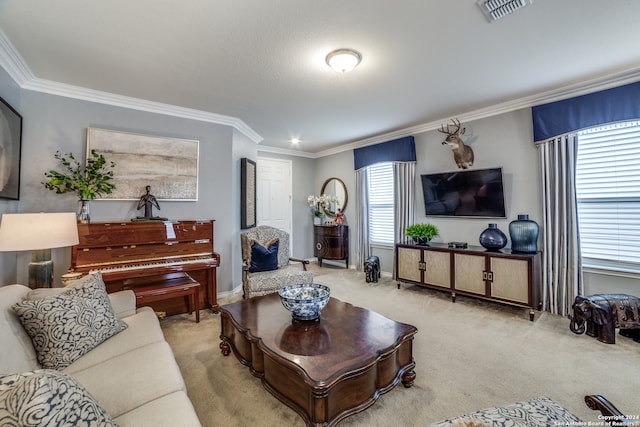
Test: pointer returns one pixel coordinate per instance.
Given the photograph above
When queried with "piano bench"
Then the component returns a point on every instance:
(173, 285)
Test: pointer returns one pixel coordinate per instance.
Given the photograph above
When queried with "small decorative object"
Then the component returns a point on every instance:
(462, 154)
(372, 269)
(69, 278)
(317, 204)
(601, 314)
(524, 235)
(305, 301)
(422, 233)
(339, 220)
(148, 201)
(493, 238)
(458, 245)
(92, 181)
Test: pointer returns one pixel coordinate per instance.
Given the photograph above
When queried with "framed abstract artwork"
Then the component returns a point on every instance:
(10, 147)
(247, 193)
(168, 165)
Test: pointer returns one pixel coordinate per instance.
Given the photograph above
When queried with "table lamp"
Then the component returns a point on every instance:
(38, 233)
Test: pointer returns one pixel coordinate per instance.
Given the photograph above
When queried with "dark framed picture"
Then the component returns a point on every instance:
(247, 193)
(10, 146)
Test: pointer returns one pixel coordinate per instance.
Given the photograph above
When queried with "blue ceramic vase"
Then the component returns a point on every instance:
(524, 235)
(492, 238)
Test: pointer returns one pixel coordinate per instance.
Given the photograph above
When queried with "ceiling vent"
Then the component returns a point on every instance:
(496, 9)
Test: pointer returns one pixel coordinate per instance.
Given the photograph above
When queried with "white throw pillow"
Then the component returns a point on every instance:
(47, 397)
(66, 326)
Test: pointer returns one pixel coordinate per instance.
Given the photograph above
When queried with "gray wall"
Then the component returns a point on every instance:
(505, 141)
(53, 123)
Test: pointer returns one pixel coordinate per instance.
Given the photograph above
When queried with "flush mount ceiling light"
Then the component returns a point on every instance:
(343, 60)
(496, 9)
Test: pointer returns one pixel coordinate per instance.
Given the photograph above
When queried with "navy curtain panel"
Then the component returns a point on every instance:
(607, 106)
(398, 150)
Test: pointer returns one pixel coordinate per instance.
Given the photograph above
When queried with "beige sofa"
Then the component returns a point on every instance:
(133, 375)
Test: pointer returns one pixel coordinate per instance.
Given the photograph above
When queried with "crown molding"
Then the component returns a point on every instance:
(19, 71)
(12, 62)
(570, 91)
(76, 92)
(288, 152)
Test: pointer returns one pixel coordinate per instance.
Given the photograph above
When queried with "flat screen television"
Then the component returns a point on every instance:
(468, 193)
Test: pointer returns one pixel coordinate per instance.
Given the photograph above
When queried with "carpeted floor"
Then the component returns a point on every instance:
(469, 355)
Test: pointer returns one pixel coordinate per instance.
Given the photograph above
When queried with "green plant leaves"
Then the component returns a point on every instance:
(92, 181)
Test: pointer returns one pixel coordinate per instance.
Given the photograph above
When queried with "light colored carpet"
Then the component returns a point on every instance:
(469, 355)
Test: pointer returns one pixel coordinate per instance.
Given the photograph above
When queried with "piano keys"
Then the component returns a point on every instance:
(126, 250)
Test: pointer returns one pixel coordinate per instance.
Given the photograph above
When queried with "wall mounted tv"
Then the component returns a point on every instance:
(468, 193)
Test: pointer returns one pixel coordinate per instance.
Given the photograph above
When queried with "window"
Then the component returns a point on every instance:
(381, 204)
(608, 196)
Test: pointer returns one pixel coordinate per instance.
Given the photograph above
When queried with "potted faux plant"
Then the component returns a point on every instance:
(318, 205)
(421, 233)
(92, 181)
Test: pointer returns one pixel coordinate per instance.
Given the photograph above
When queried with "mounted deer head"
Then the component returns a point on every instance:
(462, 154)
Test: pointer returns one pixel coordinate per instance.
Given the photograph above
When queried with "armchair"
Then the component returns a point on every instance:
(259, 277)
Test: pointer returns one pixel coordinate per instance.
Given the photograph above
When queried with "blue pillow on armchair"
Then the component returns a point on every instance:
(264, 258)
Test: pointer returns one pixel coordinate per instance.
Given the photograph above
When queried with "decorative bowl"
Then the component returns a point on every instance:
(305, 302)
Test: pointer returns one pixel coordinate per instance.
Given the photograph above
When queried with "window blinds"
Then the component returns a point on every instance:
(381, 204)
(608, 196)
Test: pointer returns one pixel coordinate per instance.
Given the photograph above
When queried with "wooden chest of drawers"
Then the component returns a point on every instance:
(331, 242)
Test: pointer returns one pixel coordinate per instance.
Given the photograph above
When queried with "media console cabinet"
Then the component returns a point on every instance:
(503, 276)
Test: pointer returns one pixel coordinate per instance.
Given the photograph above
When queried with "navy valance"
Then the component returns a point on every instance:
(398, 150)
(607, 106)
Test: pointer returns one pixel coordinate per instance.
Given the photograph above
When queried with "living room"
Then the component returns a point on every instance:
(56, 117)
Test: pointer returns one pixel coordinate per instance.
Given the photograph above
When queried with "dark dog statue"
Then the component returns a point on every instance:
(372, 268)
(601, 314)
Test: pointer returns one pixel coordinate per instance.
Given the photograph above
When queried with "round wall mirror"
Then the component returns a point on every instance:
(334, 187)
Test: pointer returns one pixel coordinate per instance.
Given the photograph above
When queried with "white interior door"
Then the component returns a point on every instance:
(273, 193)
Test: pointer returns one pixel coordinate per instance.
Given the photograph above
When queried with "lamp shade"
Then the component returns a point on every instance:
(35, 231)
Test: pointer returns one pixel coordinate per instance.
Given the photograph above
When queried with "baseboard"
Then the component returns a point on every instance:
(237, 290)
(336, 263)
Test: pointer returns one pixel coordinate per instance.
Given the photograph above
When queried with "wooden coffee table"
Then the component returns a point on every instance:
(324, 370)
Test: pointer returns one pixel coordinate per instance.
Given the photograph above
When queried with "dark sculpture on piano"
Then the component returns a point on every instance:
(148, 201)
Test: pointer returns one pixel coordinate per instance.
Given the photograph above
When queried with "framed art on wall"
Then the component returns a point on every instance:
(168, 165)
(10, 147)
(247, 193)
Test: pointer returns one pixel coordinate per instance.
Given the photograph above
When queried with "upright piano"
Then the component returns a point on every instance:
(127, 250)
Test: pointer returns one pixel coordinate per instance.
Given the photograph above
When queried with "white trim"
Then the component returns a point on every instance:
(19, 71)
(13, 63)
(237, 290)
(611, 272)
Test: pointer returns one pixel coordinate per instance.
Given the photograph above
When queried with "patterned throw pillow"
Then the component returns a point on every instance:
(66, 326)
(539, 412)
(48, 398)
(264, 258)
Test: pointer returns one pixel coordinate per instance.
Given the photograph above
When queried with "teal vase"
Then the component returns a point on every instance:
(524, 235)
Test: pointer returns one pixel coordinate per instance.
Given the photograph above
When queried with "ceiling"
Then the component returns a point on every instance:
(260, 64)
